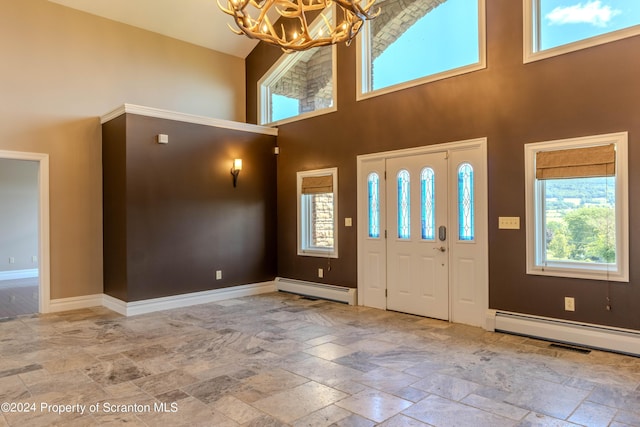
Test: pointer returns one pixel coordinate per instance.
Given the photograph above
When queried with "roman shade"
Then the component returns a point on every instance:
(584, 162)
(317, 184)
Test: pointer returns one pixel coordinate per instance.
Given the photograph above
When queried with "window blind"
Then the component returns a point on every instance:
(576, 162)
(317, 184)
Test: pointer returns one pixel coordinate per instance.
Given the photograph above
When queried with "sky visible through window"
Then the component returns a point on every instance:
(567, 21)
(444, 39)
(283, 107)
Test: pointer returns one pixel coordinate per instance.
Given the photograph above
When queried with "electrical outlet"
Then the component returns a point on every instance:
(320, 273)
(569, 304)
(218, 274)
(12, 260)
(34, 259)
(509, 222)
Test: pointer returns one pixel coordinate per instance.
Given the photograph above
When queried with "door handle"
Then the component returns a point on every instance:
(441, 249)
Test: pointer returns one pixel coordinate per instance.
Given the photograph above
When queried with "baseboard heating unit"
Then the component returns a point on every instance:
(317, 290)
(594, 336)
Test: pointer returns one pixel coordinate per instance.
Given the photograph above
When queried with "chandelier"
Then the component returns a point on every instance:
(251, 17)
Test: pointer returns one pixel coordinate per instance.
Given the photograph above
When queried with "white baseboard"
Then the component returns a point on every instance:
(317, 290)
(185, 300)
(18, 274)
(595, 336)
(75, 303)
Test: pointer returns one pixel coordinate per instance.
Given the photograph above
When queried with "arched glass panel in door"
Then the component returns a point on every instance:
(373, 185)
(404, 205)
(466, 226)
(427, 203)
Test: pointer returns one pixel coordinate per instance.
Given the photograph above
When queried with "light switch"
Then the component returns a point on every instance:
(163, 138)
(509, 222)
(348, 222)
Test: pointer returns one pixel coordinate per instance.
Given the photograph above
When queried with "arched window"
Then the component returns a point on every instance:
(466, 226)
(427, 203)
(373, 184)
(404, 205)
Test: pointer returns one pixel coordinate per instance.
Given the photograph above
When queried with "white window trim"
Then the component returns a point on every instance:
(280, 67)
(530, 49)
(319, 252)
(618, 273)
(363, 57)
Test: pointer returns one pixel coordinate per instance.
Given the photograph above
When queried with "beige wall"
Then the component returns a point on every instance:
(18, 214)
(61, 69)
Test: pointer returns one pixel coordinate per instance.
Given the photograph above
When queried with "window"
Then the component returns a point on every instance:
(577, 215)
(427, 196)
(555, 27)
(404, 205)
(318, 212)
(421, 41)
(299, 85)
(466, 211)
(373, 188)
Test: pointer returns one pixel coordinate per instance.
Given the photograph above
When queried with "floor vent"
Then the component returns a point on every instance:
(570, 348)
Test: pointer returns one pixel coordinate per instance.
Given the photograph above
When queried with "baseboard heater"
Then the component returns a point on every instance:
(317, 290)
(593, 336)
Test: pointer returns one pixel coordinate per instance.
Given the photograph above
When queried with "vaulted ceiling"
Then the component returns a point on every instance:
(195, 21)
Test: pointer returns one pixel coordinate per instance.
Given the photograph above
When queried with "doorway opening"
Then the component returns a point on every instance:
(24, 262)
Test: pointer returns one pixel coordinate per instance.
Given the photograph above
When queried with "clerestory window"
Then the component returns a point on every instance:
(555, 27)
(299, 85)
(417, 41)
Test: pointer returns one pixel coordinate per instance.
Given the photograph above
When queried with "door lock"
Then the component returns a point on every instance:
(442, 233)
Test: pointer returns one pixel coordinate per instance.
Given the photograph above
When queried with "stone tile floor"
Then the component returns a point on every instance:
(279, 359)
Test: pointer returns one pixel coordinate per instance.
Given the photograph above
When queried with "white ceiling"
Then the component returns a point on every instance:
(195, 21)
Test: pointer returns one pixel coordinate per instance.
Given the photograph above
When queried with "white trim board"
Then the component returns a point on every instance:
(584, 334)
(75, 303)
(185, 300)
(18, 274)
(317, 290)
(157, 304)
(187, 118)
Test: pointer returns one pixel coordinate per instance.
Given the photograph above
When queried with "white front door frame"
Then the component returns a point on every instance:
(44, 272)
(482, 207)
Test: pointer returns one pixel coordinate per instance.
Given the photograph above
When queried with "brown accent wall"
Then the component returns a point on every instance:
(60, 70)
(171, 214)
(592, 91)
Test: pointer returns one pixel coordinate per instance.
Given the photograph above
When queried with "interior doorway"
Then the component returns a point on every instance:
(422, 231)
(24, 276)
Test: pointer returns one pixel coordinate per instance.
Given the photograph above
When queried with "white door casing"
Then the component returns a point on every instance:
(467, 260)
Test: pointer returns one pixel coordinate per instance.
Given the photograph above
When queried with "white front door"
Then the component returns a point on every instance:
(422, 231)
(417, 247)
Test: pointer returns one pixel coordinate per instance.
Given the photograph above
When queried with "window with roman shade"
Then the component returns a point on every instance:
(318, 212)
(577, 207)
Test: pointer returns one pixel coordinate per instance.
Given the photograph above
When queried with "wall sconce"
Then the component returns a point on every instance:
(235, 170)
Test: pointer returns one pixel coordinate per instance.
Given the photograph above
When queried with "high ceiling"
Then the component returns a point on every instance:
(195, 21)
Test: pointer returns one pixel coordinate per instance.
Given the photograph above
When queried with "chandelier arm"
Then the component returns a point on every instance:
(261, 28)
